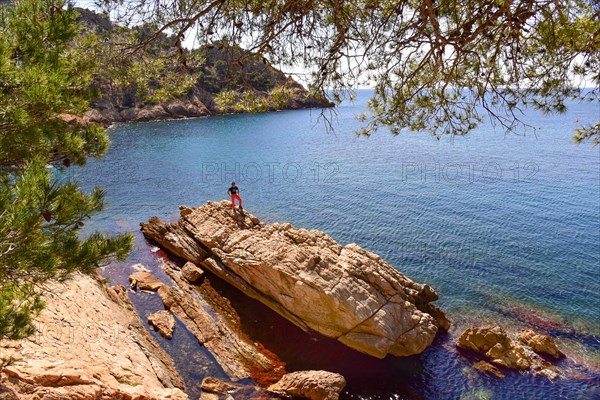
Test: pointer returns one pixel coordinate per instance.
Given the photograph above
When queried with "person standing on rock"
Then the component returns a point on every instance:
(233, 192)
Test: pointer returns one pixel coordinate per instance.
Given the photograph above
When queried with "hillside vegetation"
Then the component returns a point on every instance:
(215, 79)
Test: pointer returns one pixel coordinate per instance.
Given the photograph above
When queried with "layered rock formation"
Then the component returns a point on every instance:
(342, 292)
(89, 345)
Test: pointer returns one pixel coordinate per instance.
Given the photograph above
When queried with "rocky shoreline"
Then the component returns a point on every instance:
(226, 81)
(197, 103)
(92, 345)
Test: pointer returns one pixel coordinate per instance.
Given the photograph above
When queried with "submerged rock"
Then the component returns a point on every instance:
(503, 349)
(164, 322)
(216, 389)
(342, 292)
(313, 385)
(214, 385)
(541, 344)
(488, 368)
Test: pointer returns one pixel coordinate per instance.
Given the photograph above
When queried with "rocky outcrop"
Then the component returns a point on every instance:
(496, 345)
(89, 345)
(504, 351)
(164, 323)
(227, 80)
(342, 292)
(107, 110)
(540, 343)
(313, 385)
(175, 239)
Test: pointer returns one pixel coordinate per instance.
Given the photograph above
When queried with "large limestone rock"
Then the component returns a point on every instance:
(88, 346)
(496, 345)
(342, 292)
(313, 385)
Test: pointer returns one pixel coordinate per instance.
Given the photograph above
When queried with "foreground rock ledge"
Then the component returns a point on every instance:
(342, 292)
(89, 345)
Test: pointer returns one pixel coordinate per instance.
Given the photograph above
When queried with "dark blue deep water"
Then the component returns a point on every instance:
(506, 228)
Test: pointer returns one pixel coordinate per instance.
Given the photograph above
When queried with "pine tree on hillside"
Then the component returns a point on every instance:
(44, 78)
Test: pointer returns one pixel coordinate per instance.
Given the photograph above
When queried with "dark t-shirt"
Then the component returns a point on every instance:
(233, 190)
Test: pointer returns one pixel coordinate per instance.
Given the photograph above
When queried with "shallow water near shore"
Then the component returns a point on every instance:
(505, 228)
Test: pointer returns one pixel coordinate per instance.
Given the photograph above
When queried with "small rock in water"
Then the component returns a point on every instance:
(496, 345)
(144, 281)
(313, 385)
(214, 385)
(549, 373)
(213, 388)
(164, 322)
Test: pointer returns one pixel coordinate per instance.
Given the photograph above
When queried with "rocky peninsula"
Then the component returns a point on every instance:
(341, 292)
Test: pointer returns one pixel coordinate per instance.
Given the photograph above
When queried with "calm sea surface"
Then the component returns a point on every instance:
(506, 228)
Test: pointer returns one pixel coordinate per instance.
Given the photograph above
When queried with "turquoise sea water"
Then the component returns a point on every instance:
(506, 228)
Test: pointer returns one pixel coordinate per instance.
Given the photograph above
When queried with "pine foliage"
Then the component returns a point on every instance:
(43, 78)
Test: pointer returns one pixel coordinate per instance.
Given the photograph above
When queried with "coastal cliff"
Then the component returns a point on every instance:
(224, 79)
(341, 292)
